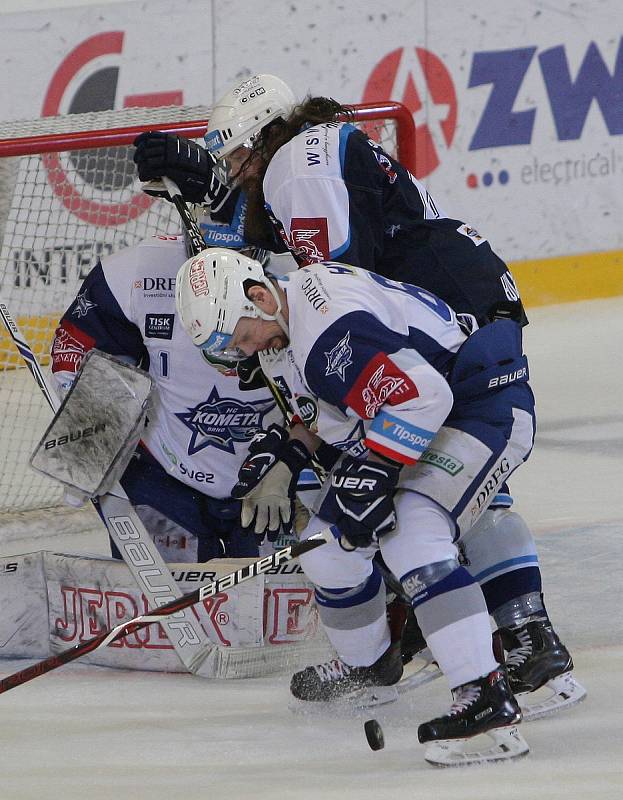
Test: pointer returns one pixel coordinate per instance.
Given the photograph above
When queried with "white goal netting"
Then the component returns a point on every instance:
(68, 195)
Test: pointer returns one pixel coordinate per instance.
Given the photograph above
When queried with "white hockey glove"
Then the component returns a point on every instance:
(184, 162)
(267, 482)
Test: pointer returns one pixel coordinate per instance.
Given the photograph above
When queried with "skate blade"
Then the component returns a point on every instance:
(347, 705)
(498, 744)
(418, 672)
(560, 693)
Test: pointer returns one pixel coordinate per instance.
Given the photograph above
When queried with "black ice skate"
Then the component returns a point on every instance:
(485, 705)
(537, 658)
(534, 655)
(336, 679)
(478, 706)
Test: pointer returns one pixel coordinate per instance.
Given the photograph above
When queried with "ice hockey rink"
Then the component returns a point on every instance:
(89, 732)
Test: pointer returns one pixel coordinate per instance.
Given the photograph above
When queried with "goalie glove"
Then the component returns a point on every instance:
(184, 162)
(364, 492)
(267, 482)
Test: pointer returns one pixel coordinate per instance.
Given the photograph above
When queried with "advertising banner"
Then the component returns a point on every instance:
(518, 109)
(54, 601)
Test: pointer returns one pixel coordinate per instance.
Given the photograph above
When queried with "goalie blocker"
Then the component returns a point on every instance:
(91, 439)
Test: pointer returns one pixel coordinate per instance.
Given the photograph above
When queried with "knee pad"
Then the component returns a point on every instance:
(417, 582)
(500, 554)
(354, 607)
(331, 566)
(350, 596)
(499, 537)
(424, 535)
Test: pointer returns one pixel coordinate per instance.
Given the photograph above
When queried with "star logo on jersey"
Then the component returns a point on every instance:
(339, 358)
(82, 305)
(222, 421)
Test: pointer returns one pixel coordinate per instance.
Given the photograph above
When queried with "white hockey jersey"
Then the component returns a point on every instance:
(368, 360)
(201, 424)
(335, 195)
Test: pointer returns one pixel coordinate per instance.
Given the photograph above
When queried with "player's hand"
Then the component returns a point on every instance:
(184, 162)
(364, 491)
(267, 482)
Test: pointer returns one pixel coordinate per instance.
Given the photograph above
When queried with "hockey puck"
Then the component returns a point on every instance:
(374, 734)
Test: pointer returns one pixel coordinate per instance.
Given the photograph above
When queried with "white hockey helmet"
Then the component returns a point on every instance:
(243, 111)
(210, 299)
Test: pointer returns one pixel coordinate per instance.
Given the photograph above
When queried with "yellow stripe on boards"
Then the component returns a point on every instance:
(38, 332)
(566, 279)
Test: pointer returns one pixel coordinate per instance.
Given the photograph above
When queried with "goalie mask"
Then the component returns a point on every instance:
(210, 299)
(241, 114)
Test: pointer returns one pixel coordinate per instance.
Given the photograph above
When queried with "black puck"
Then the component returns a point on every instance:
(374, 734)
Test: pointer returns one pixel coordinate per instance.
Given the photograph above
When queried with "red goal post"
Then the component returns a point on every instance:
(68, 195)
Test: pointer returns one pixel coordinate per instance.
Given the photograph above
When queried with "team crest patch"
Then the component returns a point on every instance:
(386, 165)
(471, 233)
(222, 421)
(339, 358)
(309, 238)
(69, 346)
(380, 382)
(82, 306)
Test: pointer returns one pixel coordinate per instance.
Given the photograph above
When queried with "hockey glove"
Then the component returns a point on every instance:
(364, 491)
(267, 482)
(184, 162)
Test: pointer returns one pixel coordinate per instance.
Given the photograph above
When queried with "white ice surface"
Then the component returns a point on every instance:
(94, 733)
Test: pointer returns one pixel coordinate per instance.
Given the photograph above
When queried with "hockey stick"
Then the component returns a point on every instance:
(129, 535)
(197, 243)
(258, 567)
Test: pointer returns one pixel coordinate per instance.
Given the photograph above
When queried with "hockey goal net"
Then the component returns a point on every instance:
(69, 195)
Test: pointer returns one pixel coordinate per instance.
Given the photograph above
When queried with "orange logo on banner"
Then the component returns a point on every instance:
(419, 80)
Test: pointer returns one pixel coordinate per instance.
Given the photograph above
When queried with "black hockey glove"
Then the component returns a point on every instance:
(184, 162)
(364, 491)
(267, 482)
